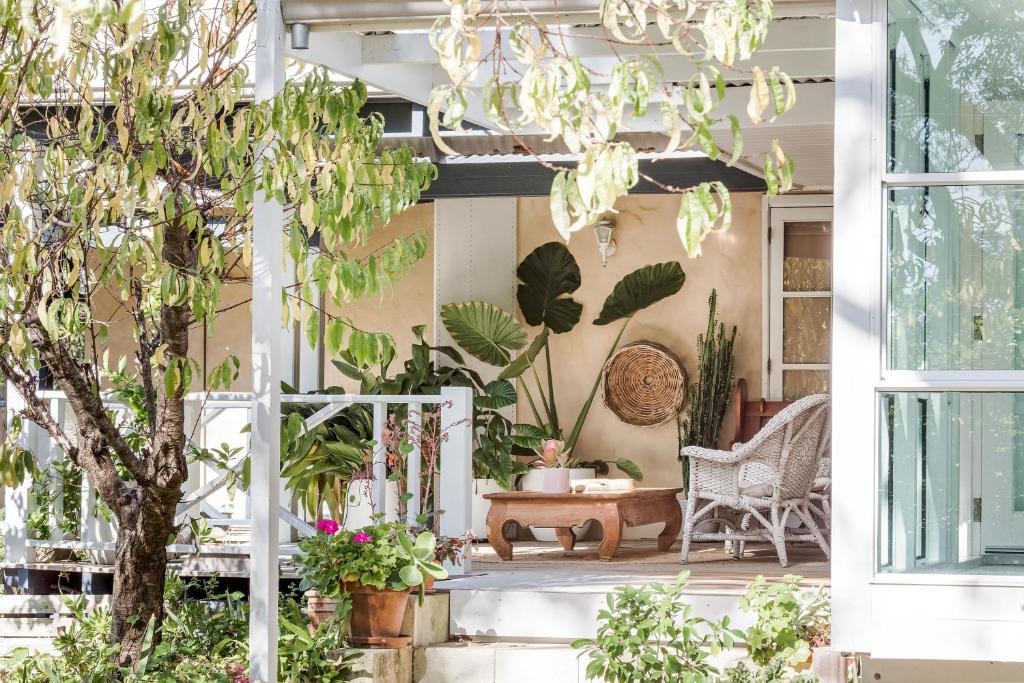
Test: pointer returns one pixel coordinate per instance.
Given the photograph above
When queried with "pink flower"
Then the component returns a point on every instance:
(361, 537)
(328, 526)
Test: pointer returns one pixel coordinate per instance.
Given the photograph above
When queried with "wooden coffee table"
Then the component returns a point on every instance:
(562, 511)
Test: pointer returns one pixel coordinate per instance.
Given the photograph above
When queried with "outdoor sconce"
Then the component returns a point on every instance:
(605, 244)
(300, 36)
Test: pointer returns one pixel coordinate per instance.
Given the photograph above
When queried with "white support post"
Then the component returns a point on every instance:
(379, 460)
(311, 357)
(413, 468)
(456, 491)
(268, 278)
(17, 499)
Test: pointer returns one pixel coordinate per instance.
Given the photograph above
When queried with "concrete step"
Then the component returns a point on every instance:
(499, 662)
(562, 608)
(513, 662)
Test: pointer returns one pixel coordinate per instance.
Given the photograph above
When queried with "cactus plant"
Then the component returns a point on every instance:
(710, 394)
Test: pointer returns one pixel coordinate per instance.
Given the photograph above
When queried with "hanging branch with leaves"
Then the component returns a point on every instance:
(529, 73)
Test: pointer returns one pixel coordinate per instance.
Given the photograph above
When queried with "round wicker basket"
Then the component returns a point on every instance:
(644, 384)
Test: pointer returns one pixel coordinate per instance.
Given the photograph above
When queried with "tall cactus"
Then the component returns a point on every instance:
(711, 393)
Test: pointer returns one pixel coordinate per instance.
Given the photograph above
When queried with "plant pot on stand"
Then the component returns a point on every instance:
(534, 481)
(376, 615)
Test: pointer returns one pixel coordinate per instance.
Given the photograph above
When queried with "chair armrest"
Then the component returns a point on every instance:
(712, 454)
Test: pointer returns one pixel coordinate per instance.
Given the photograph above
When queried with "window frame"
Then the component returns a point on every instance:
(902, 616)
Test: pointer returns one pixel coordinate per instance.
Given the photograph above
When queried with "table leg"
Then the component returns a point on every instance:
(566, 537)
(496, 523)
(611, 528)
(673, 524)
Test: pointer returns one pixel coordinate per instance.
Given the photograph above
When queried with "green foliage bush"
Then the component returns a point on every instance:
(790, 620)
(202, 640)
(649, 633)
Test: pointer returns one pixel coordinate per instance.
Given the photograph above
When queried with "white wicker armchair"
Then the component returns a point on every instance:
(758, 484)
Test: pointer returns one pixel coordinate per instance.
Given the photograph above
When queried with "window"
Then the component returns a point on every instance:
(951, 451)
(799, 303)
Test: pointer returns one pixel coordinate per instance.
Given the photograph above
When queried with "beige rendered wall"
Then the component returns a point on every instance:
(645, 233)
(409, 303)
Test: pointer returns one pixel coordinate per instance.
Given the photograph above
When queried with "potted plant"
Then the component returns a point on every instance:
(547, 276)
(710, 395)
(451, 549)
(376, 567)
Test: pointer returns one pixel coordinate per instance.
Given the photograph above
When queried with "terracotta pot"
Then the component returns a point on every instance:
(320, 608)
(428, 584)
(375, 613)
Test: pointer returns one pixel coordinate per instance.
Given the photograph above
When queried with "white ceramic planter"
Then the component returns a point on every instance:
(534, 481)
(482, 487)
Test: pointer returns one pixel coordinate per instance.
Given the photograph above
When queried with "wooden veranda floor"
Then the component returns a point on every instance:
(545, 566)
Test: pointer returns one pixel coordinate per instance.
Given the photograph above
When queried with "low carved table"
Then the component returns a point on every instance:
(562, 511)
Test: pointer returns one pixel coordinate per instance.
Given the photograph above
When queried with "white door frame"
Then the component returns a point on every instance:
(775, 212)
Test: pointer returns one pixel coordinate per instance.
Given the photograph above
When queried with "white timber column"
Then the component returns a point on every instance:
(17, 500)
(310, 358)
(856, 324)
(268, 278)
(474, 258)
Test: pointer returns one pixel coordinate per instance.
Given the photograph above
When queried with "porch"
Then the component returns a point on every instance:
(502, 600)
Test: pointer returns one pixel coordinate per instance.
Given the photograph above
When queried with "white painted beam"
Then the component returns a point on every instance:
(788, 35)
(268, 278)
(383, 15)
(342, 51)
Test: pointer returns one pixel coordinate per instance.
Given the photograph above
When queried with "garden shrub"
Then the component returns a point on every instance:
(203, 639)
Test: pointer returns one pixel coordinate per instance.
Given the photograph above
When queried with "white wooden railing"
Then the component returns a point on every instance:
(452, 498)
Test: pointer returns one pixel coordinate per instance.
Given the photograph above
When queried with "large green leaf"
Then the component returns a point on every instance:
(640, 289)
(524, 359)
(497, 395)
(546, 274)
(484, 330)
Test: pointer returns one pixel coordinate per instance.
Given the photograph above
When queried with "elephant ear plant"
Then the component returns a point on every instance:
(548, 276)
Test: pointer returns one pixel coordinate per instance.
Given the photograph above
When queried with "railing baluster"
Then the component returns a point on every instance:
(379, 458)
(455, 497)
(412, 470)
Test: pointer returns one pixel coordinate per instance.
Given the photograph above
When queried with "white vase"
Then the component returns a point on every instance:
(555, 480)
(534, 481)
(481, 505)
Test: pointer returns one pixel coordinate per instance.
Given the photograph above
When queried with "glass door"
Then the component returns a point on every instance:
(800, 301)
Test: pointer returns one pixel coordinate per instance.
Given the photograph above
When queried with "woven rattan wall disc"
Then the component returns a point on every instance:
(644, 384)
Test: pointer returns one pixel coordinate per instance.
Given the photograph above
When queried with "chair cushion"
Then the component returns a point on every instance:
(754, 489)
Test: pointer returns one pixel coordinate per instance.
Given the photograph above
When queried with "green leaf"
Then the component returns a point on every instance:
(640, 289)
(485, 331)
(411, 575)
(630, 468)
(545, 275)
(497, 394)
(524, 359)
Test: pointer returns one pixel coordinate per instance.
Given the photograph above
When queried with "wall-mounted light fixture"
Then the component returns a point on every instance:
(605, 244)
(300, 36)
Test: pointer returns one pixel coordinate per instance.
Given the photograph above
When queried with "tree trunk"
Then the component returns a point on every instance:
(140, 569)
